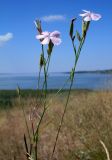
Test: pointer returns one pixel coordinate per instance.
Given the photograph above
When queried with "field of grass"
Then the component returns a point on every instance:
(87, 121)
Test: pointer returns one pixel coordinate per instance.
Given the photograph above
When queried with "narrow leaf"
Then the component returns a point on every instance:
(78, 36)
(73, 38)
(85, 27)
(26, 146)
(72, 28)
(71, 74)
(74, 49)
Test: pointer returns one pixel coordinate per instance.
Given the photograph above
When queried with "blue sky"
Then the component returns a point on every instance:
(20, 51)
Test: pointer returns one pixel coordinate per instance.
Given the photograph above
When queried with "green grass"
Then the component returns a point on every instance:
(8, 96)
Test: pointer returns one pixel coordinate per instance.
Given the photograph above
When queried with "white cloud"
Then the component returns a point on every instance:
(51, 18)
(5, 38)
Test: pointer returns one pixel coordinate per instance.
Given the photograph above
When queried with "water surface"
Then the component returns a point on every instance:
(96, 81)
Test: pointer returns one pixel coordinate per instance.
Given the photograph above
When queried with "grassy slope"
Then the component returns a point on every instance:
(88, 119)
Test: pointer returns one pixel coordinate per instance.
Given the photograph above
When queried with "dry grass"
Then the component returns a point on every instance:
(88, 120)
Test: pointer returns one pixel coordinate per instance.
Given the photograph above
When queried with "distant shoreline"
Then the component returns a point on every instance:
(107, 71)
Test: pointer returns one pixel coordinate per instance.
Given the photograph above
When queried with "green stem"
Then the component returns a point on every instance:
(45, 95)
(72, 79)
(62, 116)
(58, 92)
(39, 78)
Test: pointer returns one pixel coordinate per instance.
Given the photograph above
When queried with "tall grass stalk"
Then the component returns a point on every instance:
(106, 150)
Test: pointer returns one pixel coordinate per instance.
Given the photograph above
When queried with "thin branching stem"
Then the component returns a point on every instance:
(44, 89)
(39, 78)
(69, 92)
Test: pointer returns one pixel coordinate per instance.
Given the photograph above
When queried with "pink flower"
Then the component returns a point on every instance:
(88, 16)
(45, 37)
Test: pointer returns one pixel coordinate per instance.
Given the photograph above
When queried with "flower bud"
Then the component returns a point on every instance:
(38, 26)
(50, 48)
(41, 60)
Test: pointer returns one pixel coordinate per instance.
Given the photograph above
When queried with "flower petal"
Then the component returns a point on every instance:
(43, 35)
(55, 41)
(95, 17)
(40, 36)
(83, 15)
(86, 11)
(55, 34)
(45, 41)
(46, 33)
(87, 18)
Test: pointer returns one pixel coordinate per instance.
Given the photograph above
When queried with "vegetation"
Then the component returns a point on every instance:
(87, 121)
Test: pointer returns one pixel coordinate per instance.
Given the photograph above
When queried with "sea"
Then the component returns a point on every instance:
(92, 81)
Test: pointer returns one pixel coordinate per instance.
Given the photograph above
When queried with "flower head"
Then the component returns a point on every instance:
(46, 36)
(88, 16)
